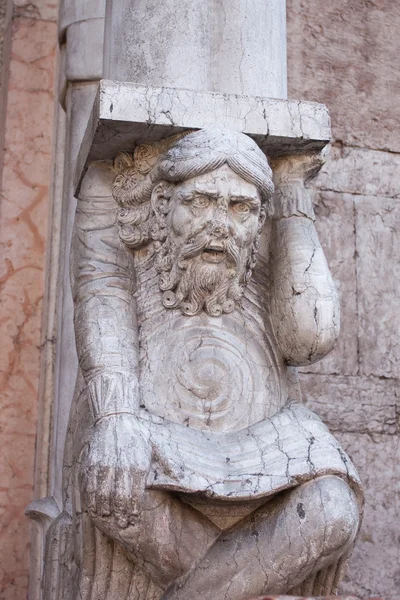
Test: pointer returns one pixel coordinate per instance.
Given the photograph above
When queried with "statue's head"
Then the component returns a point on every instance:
(200, 199)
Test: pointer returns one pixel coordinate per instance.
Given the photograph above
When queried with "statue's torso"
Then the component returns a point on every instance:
(216, 374)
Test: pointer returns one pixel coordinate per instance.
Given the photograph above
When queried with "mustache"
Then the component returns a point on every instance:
(174, 265)
(198, 242)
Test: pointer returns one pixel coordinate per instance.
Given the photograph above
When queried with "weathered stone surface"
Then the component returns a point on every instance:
(79, 101)
(84, 50)
(354, 404)
(186, 389)
(335, 224)
(341, 53)
(361, 171)
(360, 236)
(213, 46)
(374, 569)
(6, 9)
(346, 55)
(126, 114)
(23, 232)
(378, 276)
(45, 10)
(5, 22)
(309, 598)
(353, 78)
(73, 11)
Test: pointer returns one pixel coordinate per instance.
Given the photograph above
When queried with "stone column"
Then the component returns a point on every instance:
(229, 46)
(81, 33)
(80, 63)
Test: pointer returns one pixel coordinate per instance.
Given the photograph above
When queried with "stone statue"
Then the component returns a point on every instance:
(192, 470)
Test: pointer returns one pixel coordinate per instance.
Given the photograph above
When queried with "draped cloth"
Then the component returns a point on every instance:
(291, 447)
(274, 455)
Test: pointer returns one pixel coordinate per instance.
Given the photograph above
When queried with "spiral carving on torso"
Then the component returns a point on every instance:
(210, 374)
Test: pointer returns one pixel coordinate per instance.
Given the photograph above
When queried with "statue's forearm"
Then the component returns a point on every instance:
(107, 353)
(105, 335)
(105, 316)
(304, 302)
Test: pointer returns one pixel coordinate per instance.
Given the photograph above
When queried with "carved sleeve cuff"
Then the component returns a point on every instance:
(113, 393)
(292, 200)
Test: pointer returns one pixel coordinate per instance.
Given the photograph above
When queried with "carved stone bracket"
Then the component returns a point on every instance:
(125, 115)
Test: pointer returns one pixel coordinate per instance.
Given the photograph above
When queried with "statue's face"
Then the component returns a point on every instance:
(220, 204)
(212, 222)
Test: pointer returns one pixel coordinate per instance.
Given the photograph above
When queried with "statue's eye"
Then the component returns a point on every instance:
(241, 208)
(201, 202)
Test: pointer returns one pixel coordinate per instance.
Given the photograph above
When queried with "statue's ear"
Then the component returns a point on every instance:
(262, 217)
(160, 200)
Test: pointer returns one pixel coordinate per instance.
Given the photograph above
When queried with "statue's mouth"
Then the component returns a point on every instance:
(214, 253)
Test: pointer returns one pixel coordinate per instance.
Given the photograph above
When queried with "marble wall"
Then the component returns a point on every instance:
(345, 54)
(23, 233)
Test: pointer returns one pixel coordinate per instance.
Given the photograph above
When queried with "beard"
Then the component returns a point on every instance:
(194, 277)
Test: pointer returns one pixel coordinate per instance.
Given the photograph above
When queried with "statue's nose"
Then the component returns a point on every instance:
(219, 228)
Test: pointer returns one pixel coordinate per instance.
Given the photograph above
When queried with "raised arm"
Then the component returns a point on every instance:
(102, 285)
(117, 457)
(304, 303)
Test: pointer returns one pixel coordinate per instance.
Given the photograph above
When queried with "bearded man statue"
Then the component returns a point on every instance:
(192, 470)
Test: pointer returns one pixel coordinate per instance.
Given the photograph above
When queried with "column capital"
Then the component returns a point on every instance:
(125, 115)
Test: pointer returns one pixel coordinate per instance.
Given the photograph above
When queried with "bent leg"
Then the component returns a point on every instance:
(167, 538)
(300, 532)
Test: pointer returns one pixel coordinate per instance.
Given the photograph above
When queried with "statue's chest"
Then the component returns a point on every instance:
(209, 373)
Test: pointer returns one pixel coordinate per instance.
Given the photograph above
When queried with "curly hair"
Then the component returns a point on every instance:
(175, 160)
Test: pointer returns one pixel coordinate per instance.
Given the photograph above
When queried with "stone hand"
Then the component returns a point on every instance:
(115, 468)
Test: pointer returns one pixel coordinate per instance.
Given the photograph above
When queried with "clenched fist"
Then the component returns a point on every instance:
(115, 467)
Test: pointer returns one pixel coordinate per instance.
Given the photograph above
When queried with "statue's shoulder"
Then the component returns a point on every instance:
(98, 180)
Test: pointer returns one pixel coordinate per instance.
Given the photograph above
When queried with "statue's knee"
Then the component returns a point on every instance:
(340, 511)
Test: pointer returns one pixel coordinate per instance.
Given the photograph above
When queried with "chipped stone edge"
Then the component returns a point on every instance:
(125, 114)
